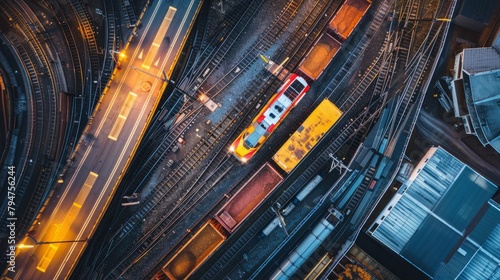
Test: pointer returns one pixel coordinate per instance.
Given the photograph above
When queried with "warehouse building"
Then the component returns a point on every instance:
(443, 221)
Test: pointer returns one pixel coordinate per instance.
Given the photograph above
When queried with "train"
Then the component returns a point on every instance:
(270, 117)
(348, 16)
(298, 146)
(319, 57)
(196, 250)
(214, 232)
(317, 124)
(248, 197)
(310, 68)
(308, 188)
(306, 248)
(339, 29)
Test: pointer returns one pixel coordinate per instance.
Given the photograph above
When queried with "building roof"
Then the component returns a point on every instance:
(442, 220)
(475, 14)
(478, 60)
(478, 10)
(481, 69)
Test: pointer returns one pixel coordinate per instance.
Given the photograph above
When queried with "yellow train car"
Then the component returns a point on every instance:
(195, 251)
(307, 135)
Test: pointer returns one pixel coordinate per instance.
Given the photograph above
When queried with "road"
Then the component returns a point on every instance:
(439, 133)
(111, 139)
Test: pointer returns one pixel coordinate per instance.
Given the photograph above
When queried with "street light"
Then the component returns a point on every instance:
(22, 245)
(121, 56)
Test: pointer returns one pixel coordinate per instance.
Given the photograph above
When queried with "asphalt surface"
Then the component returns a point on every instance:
(100, 158)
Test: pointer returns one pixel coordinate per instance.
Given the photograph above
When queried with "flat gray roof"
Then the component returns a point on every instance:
(478, 10)
(441, 218)
(477, 60)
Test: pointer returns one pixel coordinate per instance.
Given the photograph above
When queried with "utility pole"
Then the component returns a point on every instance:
(337, 164)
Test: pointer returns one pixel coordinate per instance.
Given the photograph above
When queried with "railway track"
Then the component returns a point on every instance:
(216, 166)
(165, 143)
(166, 190)
(34, 133)
(412, 88)
(42, 52)
(61, 14)
(409, 13)
(251, 233)
(406, 110)
(177, 176)
(347, 101)
(94, 61)
(74, 84)
(261, 48)
(211, 57)
(255, 225)
(155, 271)
(310, 29)
(184, 168)
(413, 95)
(239, 18)
(265, 40)
(296, 232)
(110, 44)
(33, 53)
(356, 54)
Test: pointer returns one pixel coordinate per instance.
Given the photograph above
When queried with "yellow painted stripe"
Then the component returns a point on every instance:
(68, 221)
(117, 128)
(122, 117)
(127, 105)
(47, 257)
(87, 186)
(160, 35)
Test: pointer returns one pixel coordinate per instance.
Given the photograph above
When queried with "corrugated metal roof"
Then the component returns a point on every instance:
(477, 60)
(483, 96)
(481, 82)
(402, 222)
(434, 179)
(430, 223)
(481, 267)
(478, 257)
(487, 232)
(430, 245)
(459, 260)
(478, 10)
(464, 199)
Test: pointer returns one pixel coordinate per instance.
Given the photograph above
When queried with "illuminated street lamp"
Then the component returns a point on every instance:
(23, 246)
(121, 56)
